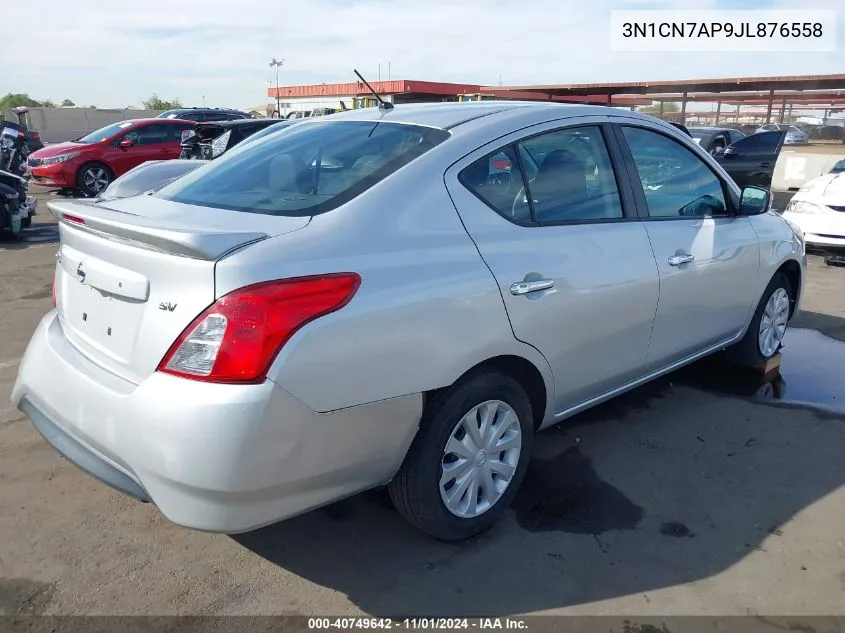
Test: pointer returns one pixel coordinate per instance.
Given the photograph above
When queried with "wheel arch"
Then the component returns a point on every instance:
(525, 372)
(791, 269)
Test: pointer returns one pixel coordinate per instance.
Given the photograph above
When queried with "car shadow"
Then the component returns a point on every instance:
(38, 233)
(662, 486)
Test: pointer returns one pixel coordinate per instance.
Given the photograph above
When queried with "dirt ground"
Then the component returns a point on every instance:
(684, 497)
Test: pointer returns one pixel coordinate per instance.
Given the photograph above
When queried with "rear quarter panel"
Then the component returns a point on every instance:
(427, 310)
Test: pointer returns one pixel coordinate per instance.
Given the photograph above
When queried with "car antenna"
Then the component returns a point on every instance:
(382, 104)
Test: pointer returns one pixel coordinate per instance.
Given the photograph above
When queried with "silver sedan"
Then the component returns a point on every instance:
(398, 297)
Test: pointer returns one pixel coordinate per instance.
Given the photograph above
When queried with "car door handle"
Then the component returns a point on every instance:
(677, 260)
(526, 287)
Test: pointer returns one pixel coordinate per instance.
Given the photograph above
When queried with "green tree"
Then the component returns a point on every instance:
(156, 103)
(48, 103)
(67, 103)
(16, 100)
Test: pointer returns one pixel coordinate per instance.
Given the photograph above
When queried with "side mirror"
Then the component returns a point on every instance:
(125, 144)
(754, 201)
(718, 151)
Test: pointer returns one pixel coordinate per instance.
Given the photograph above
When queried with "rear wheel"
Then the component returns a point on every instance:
(93, 179)
(765, 334)
(468, 459)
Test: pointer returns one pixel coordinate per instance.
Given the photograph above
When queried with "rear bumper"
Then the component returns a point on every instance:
(83, 456)
(219, 458)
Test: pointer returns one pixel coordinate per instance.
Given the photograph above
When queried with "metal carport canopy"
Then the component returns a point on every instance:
(799, 82)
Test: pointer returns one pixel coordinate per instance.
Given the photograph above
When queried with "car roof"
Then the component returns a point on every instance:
(154, 120)
(450, 115)
(203, 110)
(707, 128)
(238, 122)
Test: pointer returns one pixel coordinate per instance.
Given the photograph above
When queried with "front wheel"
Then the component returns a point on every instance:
(468, 459)
(764, 337)
(93, 179)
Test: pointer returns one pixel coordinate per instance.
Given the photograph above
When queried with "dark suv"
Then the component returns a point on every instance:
(204, 114)
(210, 140)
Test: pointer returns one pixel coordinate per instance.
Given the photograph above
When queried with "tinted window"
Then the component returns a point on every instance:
(675, 181)
(216, 116)
(309, 169)
(838, 167)
(496, 180)
(275, 127)
(762, 143)
(152, 134)
(570, 177)
(105, 132)
(735, 135)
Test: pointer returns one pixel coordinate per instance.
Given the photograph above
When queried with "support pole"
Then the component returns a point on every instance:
(718, 111)
(661, 109)
(769, 108)
(684, 109)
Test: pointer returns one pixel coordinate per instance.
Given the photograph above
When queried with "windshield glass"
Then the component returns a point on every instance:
(309, 169)
(702, 136)
(106, 132)
(838, 167)
(267, 131)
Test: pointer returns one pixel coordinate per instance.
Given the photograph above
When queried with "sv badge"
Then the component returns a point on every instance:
(166, 305)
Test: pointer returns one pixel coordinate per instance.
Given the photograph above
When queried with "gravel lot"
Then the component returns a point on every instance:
(684, 497)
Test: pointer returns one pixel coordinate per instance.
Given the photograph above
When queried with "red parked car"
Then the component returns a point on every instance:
(90, 163)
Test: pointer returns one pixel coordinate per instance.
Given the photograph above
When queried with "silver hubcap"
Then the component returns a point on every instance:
(773, 323)
(96, 179)
(480, 459)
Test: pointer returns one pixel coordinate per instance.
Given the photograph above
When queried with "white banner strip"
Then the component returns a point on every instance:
(724, 31)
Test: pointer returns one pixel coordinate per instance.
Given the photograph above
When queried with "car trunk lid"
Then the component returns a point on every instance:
(131, 276)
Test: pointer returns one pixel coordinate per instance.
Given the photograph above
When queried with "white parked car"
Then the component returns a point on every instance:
(818, 209)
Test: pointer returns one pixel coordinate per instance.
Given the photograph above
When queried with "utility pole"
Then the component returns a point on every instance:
(277, 63)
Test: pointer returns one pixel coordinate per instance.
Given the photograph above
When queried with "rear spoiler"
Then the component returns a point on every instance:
(164, 237)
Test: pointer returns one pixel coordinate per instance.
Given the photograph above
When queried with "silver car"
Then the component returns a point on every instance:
(397, 297)
(794, 135)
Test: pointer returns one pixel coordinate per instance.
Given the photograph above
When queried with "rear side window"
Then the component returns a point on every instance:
(309, 169)
(496, 179)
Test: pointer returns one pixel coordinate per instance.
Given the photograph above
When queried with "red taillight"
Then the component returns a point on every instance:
(55, 303)
(72, 218)
(236, 339)
(501, 163)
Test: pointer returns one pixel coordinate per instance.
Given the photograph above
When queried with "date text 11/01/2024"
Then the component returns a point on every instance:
(750, 30)
(414, 624)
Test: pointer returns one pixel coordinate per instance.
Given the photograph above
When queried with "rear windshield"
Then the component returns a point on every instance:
(310, 169)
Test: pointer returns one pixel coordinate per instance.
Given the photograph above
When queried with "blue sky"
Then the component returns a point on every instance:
(113, 54)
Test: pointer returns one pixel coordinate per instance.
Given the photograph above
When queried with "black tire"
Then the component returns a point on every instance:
(415, 491)
(93, 169)
(746, 352)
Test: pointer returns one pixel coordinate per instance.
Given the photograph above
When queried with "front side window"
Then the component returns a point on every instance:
(675, 181)
(153, 134)
(762, 143)
(309, 169)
